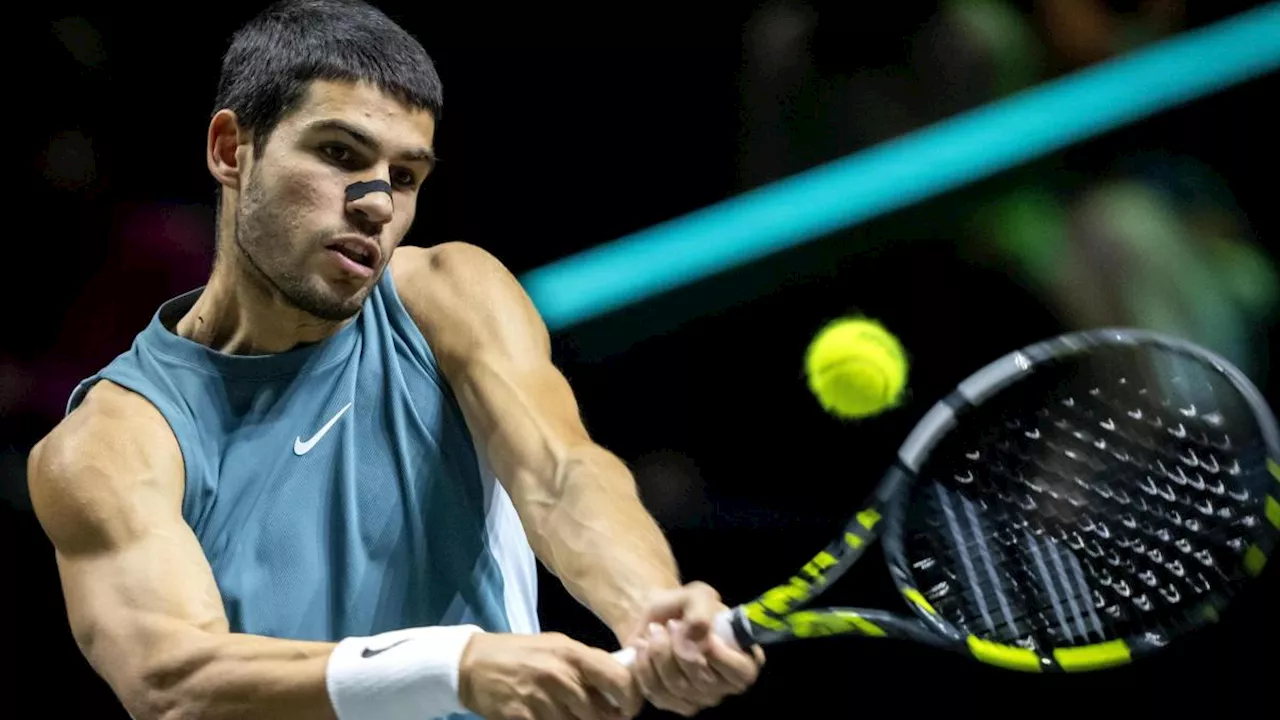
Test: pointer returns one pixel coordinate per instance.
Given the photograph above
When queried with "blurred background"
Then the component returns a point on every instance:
(564, 129)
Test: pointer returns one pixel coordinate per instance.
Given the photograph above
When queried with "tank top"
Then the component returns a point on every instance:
(334, 488)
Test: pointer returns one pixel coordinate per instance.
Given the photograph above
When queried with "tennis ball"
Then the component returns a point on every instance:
(856, 368)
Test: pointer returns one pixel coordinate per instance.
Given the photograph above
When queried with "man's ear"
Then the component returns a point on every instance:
(223, 151)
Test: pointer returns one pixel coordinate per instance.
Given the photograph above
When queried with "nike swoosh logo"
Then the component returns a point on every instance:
(302, 447)
(370, 652)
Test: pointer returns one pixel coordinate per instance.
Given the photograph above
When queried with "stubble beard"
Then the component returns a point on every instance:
(258, 224)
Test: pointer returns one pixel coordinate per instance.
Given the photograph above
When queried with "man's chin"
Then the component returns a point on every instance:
(337, 313)
(333, 302)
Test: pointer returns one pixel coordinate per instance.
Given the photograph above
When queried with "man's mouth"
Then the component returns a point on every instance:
(361, 252)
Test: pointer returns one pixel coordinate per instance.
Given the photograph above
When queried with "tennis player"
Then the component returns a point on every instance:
(318, 485)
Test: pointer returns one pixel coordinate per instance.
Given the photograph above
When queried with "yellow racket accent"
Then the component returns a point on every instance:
(914, 596)
(1273, 511)
(868, 518)
(1254, 560)
(781, 599)
(1005, 656)
(806, 623)
(758, 615)
(1093, 657)
(817, 567)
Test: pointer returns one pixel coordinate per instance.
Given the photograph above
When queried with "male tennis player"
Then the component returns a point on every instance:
(315, 487)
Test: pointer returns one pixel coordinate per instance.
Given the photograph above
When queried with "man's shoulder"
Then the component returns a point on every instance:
(456, 279)
(109, 414)
(449, 263)
(108, 439)
(464, 299)
(84, 477)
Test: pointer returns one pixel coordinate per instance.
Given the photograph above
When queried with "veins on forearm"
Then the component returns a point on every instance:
(596, 536)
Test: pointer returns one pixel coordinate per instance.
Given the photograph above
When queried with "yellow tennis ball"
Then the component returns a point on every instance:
(856, 368)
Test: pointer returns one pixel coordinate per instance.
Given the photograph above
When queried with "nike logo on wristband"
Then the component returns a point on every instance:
(371, 652)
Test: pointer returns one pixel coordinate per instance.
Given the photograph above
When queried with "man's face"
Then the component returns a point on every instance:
(293, 212)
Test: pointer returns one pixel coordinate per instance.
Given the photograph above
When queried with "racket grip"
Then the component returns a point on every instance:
(722, 626)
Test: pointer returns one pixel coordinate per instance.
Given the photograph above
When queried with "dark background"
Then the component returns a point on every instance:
(564, 128)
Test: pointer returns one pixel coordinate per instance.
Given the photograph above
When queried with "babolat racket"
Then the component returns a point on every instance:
(1074, 505)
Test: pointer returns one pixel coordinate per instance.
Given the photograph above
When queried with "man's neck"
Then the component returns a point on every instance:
(242, 315)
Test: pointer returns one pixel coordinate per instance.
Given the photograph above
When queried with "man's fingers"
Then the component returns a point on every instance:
(702, 603)
(696, 603)
(666, 605)
(738, 669)
(574, 700)
(664, 682)
(642, 670)
(654, 689)
(548, 705)
(612, 681)
(666, 664)
(692, 660)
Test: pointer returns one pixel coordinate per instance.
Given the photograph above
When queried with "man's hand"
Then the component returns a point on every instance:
(681, 665)
(544, 677)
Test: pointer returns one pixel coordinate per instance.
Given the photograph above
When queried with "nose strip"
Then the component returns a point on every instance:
(357, 190)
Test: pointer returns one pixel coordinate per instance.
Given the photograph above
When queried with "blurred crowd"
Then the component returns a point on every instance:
(106, 258)
(1151, 239)
(1147, 238)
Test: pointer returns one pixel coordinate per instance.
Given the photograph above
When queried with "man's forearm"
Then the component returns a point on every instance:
(594, 533)
(219, 675)
(406, 673)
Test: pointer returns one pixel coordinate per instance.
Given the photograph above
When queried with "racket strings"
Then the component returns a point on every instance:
(989, 574)
(1109, 510)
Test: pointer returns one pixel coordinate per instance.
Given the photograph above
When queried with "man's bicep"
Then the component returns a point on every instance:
(524, 414)
(495, 352)
(107, 488)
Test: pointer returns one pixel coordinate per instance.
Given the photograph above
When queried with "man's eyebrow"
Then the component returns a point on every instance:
(420, 154)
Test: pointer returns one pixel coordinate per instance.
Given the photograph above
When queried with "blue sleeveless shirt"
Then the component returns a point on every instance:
(335, 488)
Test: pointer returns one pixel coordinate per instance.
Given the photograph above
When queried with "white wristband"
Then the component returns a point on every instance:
(398, 675)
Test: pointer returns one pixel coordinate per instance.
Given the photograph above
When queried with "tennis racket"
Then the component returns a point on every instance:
(1075, 505)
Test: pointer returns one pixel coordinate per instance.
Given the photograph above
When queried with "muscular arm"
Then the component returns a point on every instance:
(576, 500)
(107, 487)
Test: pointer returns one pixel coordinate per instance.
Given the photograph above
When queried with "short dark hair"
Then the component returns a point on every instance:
(274, 57)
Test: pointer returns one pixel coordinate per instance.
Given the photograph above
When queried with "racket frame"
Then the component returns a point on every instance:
(782, 613)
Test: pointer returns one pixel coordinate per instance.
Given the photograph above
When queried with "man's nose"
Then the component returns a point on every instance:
(372, 200)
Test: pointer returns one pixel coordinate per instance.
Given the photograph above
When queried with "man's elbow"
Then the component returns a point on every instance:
(169, 688)
(153, 680)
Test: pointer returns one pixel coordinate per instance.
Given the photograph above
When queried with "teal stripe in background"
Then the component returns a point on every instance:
(905, 170)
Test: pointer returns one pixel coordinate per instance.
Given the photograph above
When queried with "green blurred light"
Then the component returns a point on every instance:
(905, 170)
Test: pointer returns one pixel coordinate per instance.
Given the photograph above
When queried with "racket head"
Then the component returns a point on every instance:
(1084, 501)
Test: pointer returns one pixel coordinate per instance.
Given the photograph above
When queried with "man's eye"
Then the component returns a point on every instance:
(337, 153)
(405, 178)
